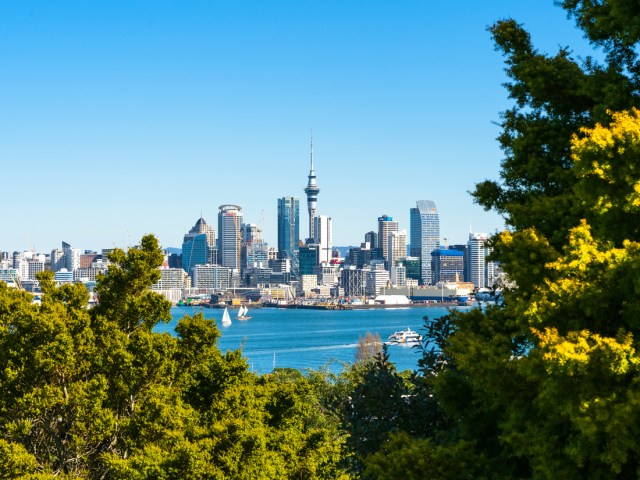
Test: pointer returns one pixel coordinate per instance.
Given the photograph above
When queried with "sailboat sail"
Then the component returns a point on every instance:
(226, 319)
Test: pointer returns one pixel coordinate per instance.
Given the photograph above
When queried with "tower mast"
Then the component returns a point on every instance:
(312, 191)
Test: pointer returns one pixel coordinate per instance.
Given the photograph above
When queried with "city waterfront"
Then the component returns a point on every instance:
(311, 339)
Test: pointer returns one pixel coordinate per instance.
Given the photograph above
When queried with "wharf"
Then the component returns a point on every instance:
(349, 306)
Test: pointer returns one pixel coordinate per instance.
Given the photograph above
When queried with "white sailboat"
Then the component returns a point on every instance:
(242, 313)
(226, 319)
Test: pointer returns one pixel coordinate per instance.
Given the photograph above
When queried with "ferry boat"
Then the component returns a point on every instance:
(405, 337)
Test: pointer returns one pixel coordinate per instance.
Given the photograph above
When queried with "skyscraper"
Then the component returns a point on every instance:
(386, 225)
(198, 246)
(396, 247)
(229, 236)
(288, 227)
(254, 251)
(312, 191)
(477, 253)
(322, 229)
(425, 235)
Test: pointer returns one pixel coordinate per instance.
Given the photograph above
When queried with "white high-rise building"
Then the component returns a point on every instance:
(477, 253)
(386, 225)
(71, 257)
(57, 260)
(229, 236)
(322, 229)
(396, 247)
(377, 278)
(211, 276)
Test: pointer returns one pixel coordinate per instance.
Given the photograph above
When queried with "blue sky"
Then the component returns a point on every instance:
(120, 118)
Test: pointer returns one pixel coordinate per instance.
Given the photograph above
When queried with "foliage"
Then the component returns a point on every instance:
(368, 347)
(546, 386)
(98, 394)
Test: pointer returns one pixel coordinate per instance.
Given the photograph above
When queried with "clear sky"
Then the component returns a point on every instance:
(120, 118)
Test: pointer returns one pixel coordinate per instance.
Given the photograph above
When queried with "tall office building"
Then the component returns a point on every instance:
(198, 246)
(425, 236)
(476, 258)
(386, 225)
(57, 260)
(312, 191)
(372, 238)
(71, 257)
(396, 247)
(288, 227)
(254, 251)
(308, 260)
(229, 236)
(322, 229)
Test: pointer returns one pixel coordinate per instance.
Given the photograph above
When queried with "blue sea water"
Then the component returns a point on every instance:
(311, 339)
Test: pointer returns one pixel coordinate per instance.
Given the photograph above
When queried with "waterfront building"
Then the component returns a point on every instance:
(229, 236)
(386, 225)
(322, 238)
(198, 245)
(171, 279)
(353, 281)
(312, 192)
(447, 265)
(412, 265)
(288, 227)
(425, 236)
(398, 274)
(211, 276)
(377, 279)
(308, 259)
(308, 283)
(396, 247)
(477, 254)
(254, 276)
(463, 248)
(328, 274)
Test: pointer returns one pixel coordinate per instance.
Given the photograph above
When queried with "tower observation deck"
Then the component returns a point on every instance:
(312, 191)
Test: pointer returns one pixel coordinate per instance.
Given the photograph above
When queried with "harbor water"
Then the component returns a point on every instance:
(312, 339)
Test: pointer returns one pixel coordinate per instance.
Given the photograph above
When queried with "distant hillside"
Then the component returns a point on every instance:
(343, 250)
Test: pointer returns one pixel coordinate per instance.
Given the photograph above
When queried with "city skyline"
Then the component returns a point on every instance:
(120, 121)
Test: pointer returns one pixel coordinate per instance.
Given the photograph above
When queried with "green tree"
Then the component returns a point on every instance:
(97, 393)
(542, 386)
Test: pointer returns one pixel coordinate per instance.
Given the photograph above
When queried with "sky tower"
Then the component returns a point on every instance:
(312, 191)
